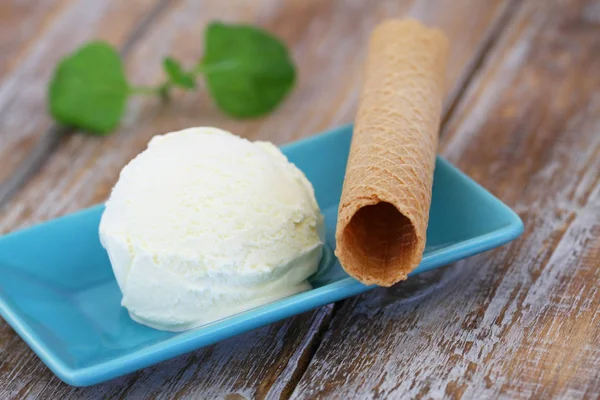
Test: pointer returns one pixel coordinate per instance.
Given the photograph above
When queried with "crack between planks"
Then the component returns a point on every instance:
(51, 139)
(473, 68)
(305, 357)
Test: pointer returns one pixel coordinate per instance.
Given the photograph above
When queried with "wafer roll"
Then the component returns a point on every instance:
(384, 208)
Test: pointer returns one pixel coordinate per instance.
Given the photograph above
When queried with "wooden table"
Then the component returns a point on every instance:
(522, 117)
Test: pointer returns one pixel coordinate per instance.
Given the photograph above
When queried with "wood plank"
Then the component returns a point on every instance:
(23, 116)
(21, 23)
(328, 40)
(522, 321)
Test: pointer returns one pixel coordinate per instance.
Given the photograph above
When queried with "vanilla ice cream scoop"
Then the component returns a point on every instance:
(204, 224)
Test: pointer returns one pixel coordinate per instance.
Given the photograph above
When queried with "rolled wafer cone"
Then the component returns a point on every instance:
(384, 208)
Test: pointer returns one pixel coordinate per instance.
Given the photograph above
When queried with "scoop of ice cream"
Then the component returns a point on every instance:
(204, 224)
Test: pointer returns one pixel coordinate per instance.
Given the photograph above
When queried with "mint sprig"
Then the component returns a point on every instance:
(248, 73)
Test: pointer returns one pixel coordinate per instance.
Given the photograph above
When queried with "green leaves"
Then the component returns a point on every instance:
(89, 89)
(177, 75)
(248, 73)
(248, 70)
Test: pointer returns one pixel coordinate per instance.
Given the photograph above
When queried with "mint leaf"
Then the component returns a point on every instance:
(89, 89)
(177, 75)
(248, 71)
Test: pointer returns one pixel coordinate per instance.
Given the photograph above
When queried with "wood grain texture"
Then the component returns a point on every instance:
(522, 321)
(23, 116)
(21, 23)
(328, 40)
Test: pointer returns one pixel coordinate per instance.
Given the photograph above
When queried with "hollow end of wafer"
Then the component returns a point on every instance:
(377, 242)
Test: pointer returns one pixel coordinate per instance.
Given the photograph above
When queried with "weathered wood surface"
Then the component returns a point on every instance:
(21, 23)
(326, 43)
(365, 347)
(522, 321)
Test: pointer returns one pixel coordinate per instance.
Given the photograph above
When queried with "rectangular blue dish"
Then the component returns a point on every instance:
(58, 292)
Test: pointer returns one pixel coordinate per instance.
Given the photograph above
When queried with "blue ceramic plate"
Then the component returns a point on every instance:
(58, 292)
